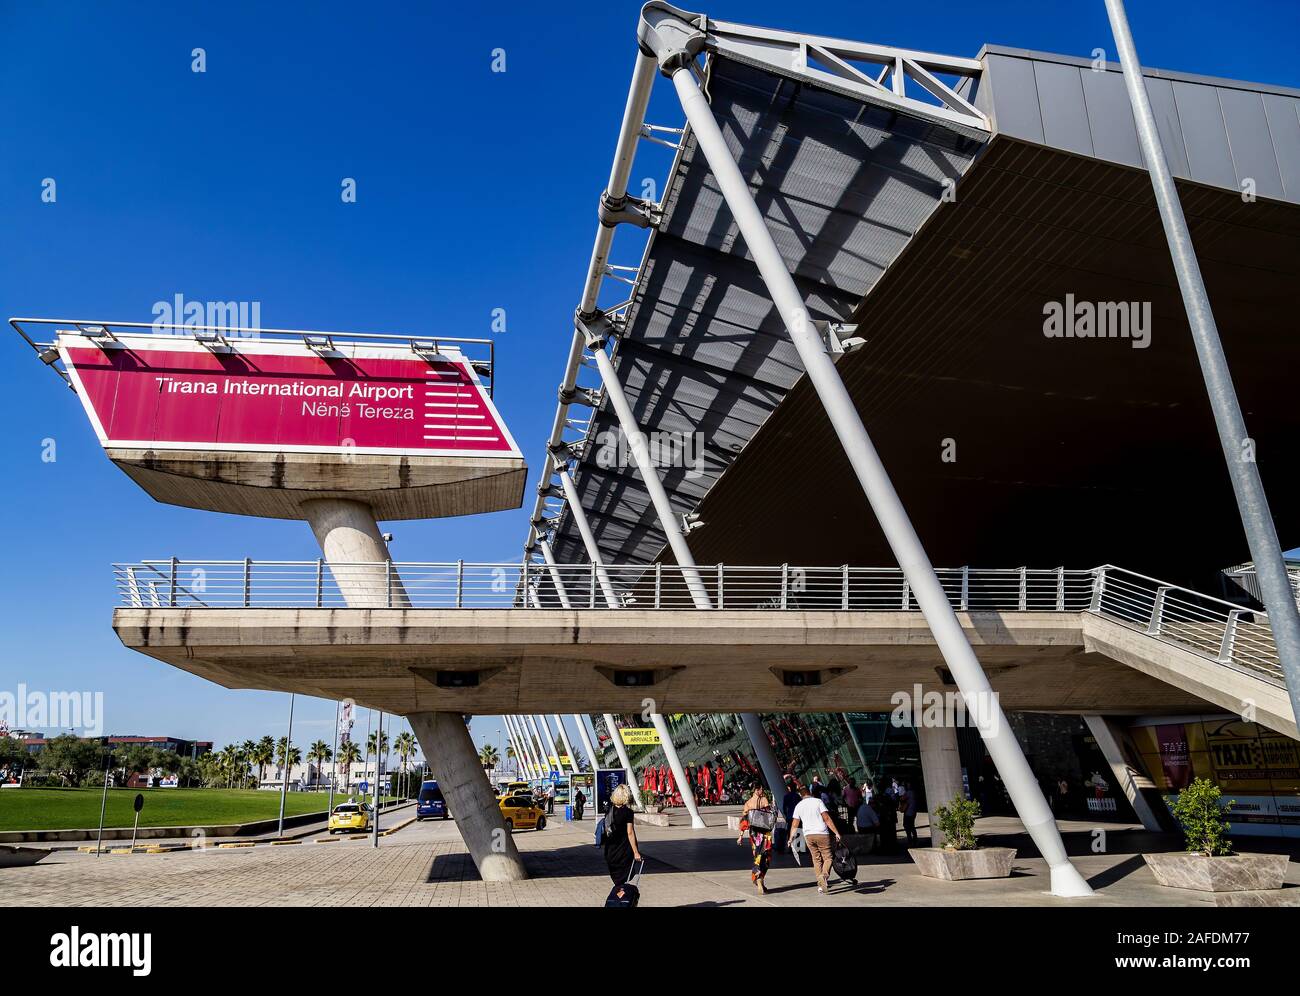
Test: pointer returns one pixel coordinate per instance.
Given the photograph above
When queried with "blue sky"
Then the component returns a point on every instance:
(475, 190)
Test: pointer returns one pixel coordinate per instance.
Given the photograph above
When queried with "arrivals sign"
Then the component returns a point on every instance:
(639, 736)
(160, 392)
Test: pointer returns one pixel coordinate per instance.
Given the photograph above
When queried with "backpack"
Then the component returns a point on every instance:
(602, 829)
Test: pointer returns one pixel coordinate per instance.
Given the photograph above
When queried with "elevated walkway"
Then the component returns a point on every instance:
(783, 638)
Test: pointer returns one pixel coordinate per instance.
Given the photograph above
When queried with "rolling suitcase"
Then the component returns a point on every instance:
(629, 893)
(844, 863)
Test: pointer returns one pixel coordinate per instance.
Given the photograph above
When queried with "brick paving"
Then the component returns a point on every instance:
(426, 865)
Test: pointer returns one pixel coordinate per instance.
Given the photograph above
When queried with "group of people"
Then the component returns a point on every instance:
(869, 809)
(819, 813)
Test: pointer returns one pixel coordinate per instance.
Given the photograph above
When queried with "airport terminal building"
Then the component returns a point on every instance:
(890, 392)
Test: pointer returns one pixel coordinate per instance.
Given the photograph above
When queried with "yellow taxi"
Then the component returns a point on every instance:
(350, 817)
(520, 813)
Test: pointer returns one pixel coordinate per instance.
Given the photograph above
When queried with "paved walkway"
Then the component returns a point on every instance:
(425, 864)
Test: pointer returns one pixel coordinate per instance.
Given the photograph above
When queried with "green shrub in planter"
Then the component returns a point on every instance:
(1203, 818)
(957, 823)
(647, 798)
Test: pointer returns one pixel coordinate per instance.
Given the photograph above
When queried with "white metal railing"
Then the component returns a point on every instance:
(1212, 628)
(1209, 627)
(317, 584)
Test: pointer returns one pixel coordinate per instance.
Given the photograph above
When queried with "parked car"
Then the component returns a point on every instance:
(430, 803)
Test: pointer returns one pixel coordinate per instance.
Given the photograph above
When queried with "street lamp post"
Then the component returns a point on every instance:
(284, 772)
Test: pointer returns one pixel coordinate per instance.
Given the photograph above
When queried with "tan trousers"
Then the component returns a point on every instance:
(819, 849)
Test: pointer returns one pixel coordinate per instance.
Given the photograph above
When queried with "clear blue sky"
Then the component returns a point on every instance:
(475, 191)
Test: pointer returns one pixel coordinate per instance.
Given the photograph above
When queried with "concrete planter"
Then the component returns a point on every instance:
(1234, 873)
(953, 866)
(652, 819)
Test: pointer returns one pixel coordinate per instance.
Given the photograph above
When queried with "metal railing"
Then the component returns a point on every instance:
(1212, 628)
(461, 585)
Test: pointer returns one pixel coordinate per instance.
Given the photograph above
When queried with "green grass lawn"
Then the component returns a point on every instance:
(74, 808)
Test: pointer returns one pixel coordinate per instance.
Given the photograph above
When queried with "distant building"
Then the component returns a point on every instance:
(186, 748)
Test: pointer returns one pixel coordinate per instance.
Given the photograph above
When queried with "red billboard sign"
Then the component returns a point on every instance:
(153, 391)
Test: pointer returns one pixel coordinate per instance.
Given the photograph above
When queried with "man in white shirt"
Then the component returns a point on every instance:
(812, 815)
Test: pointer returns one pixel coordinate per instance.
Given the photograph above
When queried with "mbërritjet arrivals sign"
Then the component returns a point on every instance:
(159, 392)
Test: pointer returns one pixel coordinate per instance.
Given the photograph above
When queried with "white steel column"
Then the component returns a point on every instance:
(551, 745)
(564, 737)
(514, 749)
(541, 744)
(588, 537)
(623, 759)
(650, 476)
(611, 600)
(529, 748)
(521, 746)
(556, 579)
(586, 740)
(766, 758)
(1252, 503)
(973, 684)
(682, 553)
(675, 764)
(525, 765)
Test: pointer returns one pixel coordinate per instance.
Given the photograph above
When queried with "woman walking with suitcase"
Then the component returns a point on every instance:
(619, 839)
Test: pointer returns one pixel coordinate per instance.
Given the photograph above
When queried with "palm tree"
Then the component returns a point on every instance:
(262, 754)
(371, 745)
(286, 763)
(405, 745)
(320, 752)
(349, 754)
(233, 763)
(488, 757)
(510, 756)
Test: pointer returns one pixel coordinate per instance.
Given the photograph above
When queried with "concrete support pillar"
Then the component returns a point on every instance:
(568, 747)
(767, 761)
(940, 770)
(1110, 738)
(586, 740)
(445, 740)
(354, 548)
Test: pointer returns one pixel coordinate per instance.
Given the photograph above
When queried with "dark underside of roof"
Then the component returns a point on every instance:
(1064, 451)
(1067, 451)
(705, 359)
